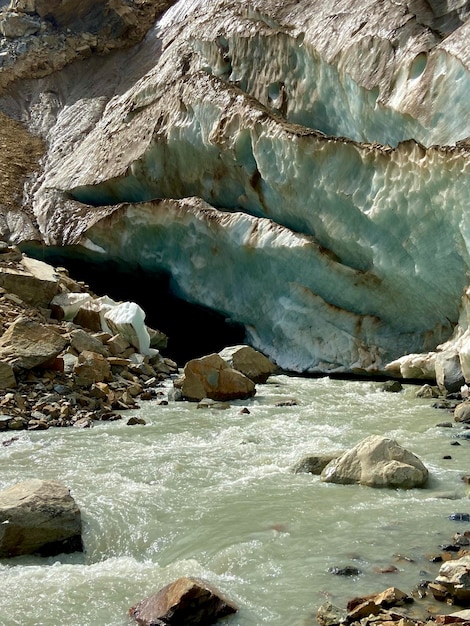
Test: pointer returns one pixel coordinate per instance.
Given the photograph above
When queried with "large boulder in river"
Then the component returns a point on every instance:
(27, 344)
(188, 601)
(250, 362)
(377, 462)
(211, 377)
(39, 517)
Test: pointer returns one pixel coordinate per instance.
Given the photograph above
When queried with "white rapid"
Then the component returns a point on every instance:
(212, 493)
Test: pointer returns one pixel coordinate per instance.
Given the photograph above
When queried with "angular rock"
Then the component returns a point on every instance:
(33, 281)
(27, 344)
(82, 341)
(39, 517)
(91, 368)
(187, 601)
(330, 615)
(377, 462)
(211, 377)
(453, 581)
(13, 24)
(249, 362)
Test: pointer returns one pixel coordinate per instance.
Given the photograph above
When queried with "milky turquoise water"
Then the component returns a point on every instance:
(211, 493)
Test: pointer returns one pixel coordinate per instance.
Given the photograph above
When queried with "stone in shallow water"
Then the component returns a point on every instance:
(188, 601)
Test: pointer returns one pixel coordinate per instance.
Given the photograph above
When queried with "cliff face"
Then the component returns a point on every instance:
(301, 168)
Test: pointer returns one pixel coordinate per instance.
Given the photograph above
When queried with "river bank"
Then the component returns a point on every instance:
(213, 493)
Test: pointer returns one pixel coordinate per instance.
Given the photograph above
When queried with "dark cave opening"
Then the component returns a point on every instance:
(192, 330)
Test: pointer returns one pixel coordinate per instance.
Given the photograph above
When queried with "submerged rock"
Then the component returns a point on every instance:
(377, 462)
(39, 517)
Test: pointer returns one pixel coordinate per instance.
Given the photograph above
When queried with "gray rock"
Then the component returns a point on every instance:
(39, 517)
(330, 615)
(377, 462)
(462, 412)
(314, 463)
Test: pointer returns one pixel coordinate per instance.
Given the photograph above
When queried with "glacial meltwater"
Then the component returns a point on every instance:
(211, 493)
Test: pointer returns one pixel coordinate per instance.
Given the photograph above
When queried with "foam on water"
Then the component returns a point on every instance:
(212, 493)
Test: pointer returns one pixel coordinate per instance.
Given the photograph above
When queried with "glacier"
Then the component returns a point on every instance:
(300, 168)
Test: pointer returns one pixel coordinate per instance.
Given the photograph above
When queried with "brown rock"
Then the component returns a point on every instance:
(91, 368)
(7, 376)
(211, 377)
(369, 607)
(250, 362)
(187, 601)
(33, 281)
(27, 344)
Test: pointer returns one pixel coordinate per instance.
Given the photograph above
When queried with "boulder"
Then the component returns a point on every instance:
(449, 375)
(185, 601)
(453, 582)
(250, 362)
(211, 377)
(330, 615)
(35, 282)
(27, 344)
(90, 368)
(39, 517)
(462, 412)
(377, 462)
(13, 24)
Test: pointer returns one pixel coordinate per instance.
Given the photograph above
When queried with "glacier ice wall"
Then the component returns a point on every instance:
(301, 168)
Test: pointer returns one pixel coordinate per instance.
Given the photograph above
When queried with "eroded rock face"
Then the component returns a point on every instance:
(377, 462)
(39, 517)
(185, 601)
(298, 149)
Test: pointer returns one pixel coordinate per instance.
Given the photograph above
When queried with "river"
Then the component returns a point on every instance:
(211, 493)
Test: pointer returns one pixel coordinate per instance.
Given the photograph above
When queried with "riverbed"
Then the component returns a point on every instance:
(211, 493)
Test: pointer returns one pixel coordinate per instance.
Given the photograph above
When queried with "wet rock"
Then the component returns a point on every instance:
(188, 601)
(207, 403)
(27, 344)
(211, 377)
(392, 386)
(314, 463)
(377, 462)
(249, 362)
(460, 517)
(134, 421)
(427, 391)
(347, 570)
(39, 517)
